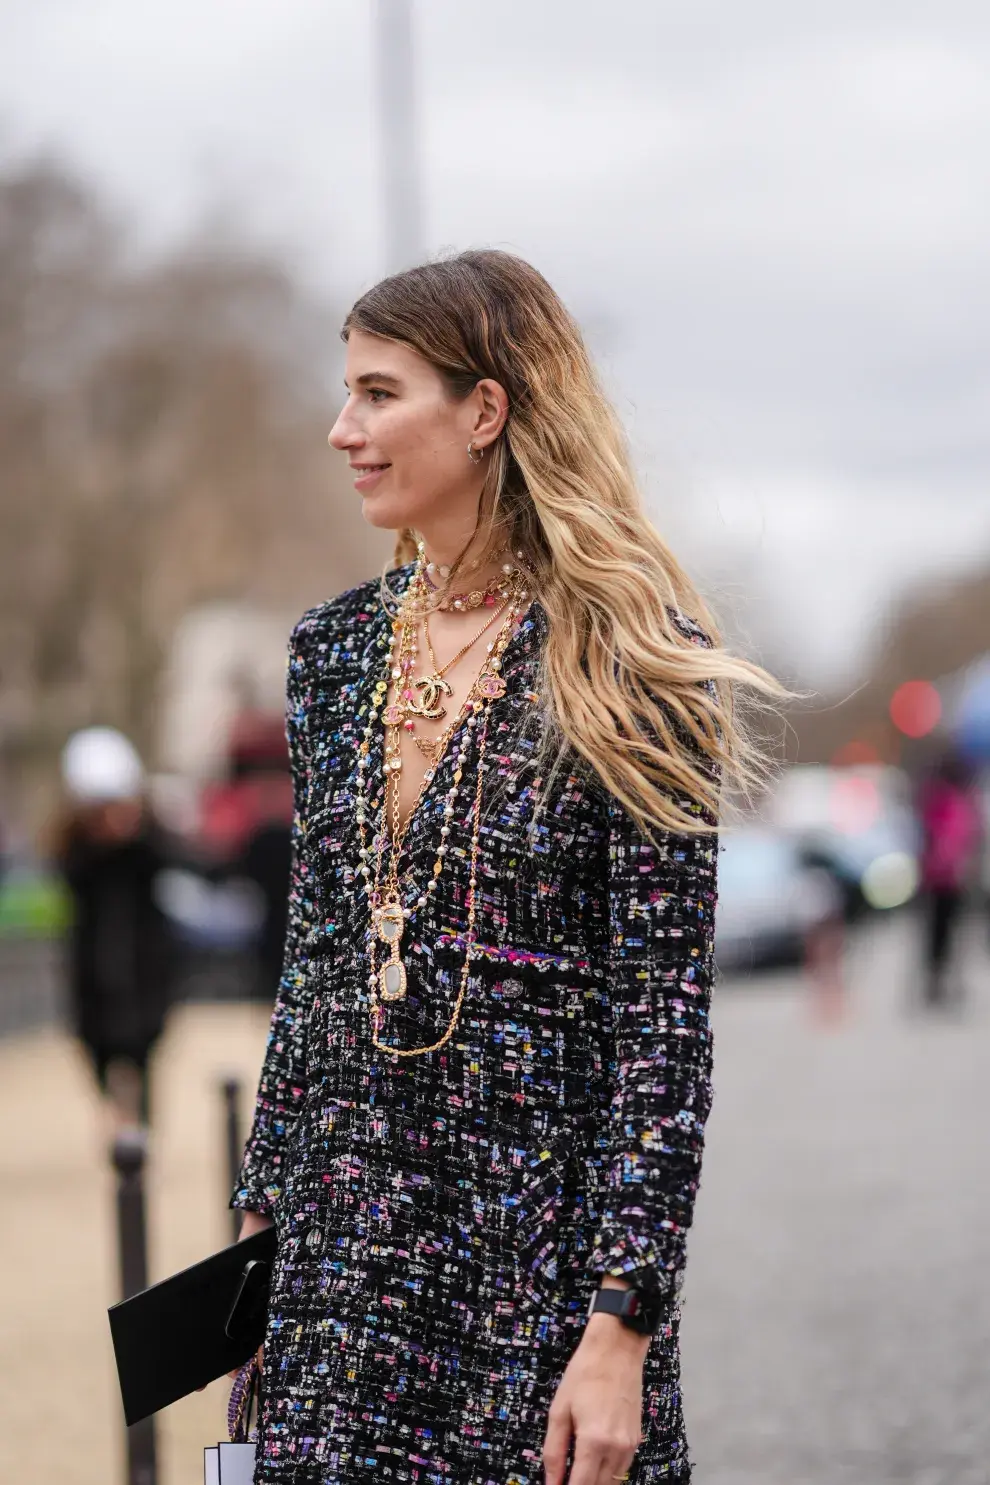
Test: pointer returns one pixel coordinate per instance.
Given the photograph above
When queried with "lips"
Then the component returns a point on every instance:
(368, 475)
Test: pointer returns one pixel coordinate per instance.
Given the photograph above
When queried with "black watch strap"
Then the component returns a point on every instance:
(629, 1306)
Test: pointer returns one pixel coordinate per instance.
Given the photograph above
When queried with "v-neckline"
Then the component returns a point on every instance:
(374, 663)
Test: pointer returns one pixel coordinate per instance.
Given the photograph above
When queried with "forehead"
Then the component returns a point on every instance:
(370, 354)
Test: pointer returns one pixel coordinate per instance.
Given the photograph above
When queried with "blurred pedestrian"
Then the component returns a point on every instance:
(120, 950)
(949, 816)
(825, 951)
(266, 860)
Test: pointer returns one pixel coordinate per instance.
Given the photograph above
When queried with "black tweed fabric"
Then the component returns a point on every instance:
(443, 1221)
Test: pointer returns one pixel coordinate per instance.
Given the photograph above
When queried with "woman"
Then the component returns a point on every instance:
(482, 1106)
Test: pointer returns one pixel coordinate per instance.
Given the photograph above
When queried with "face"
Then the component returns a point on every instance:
(406, 440)
(118, 820)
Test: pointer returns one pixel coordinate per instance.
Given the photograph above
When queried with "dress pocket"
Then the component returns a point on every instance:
(542, 1207)
(520, 978)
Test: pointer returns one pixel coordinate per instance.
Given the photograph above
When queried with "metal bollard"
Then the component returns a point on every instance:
(130, 1149)
(232, 1102)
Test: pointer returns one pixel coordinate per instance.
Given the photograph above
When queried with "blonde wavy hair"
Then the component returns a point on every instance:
(651, 710)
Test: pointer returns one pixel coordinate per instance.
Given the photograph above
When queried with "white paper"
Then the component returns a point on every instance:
(211, 1466)
(237, 1464)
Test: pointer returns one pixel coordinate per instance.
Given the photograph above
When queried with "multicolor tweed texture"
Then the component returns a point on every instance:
(444, 1221)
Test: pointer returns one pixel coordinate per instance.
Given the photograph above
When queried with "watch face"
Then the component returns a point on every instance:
(639, 1314)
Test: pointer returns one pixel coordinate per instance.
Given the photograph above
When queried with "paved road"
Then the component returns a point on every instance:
(837, 1322)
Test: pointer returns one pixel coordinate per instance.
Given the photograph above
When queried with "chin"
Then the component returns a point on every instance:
(386, 513)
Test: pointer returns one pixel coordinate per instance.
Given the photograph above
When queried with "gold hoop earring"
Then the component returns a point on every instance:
(475, 455)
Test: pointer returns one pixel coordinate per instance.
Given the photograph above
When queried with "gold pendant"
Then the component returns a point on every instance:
(389, 923)
(491, 686)
(429, 747)
(431, 705)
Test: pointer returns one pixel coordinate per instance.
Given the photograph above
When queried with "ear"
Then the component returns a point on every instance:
(492, 409)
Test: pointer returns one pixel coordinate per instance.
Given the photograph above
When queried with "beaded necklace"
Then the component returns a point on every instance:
(438, 597)
(490, 596)
(388, 913)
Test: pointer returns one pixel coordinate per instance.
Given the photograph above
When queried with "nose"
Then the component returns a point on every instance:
(345, 434)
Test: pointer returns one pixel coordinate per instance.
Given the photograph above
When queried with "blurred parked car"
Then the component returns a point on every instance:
(769, 900)
(856, 823)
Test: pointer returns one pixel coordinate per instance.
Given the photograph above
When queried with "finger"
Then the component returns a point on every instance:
(591, 1454)
(615, 1466)
(556, 1444)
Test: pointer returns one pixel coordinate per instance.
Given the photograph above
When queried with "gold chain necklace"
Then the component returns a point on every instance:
(431, 685)
(388, 915)
(495, 590)
(377, 1015)
(435, 597)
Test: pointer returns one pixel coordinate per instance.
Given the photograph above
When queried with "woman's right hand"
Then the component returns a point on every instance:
(251, 1223)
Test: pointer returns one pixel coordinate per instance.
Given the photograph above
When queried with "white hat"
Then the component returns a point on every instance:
(99, 765)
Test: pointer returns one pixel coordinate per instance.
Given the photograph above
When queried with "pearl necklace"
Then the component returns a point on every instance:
(388, 914)
(435, 596)
(494, 593)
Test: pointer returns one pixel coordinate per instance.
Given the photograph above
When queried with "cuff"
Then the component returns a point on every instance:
(637, 1261)
(254, 1199)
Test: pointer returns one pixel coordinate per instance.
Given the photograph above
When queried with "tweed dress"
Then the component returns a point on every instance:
(444, 1220)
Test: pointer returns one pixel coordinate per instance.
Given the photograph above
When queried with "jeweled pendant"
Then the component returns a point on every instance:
(393, 715)
(491, 687)
(431, 706)
(389, 922)
(392, 980)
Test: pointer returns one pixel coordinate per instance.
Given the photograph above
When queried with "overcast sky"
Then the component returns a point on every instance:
(774, 220)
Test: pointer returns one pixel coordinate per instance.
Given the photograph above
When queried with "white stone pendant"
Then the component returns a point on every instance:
(392, 980)
(390, 922)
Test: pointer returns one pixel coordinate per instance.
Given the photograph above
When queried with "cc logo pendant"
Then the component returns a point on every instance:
(431, 705)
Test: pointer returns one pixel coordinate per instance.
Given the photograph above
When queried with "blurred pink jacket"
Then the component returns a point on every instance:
(950, 821)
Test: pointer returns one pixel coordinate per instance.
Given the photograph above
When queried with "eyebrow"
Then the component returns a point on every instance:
(368, 377)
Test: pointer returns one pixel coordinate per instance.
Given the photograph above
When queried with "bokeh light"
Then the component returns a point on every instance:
(916, 708)
(854, 803)
(891, 880)
(858, 751)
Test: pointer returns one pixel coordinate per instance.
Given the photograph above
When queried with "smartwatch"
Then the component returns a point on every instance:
(633, 1308)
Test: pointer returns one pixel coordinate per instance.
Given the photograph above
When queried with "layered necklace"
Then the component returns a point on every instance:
(494, 593)
(391, 902)
(433, 685)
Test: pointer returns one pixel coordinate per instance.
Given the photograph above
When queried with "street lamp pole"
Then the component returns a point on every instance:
(397, 133)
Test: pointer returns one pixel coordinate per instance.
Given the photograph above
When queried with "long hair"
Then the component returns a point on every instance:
(651, 710)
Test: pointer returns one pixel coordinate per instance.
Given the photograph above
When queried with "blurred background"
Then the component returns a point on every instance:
(774, 227)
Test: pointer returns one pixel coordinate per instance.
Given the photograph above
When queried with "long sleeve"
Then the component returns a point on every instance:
(282, 1088)
(661, 922)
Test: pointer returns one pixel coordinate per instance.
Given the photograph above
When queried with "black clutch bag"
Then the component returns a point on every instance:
(192, 1328)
